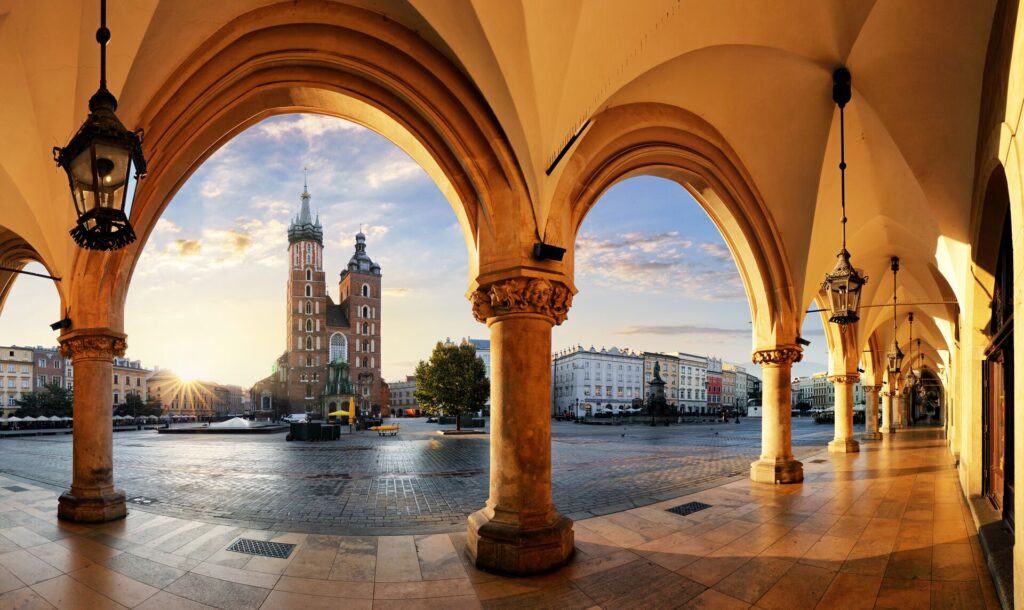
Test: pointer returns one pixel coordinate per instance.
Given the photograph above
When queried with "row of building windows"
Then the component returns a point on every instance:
(13, 368)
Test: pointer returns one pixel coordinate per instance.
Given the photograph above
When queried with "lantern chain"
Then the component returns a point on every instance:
(102, 37)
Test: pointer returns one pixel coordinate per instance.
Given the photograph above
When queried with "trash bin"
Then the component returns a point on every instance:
(299, 431)
(313, 431)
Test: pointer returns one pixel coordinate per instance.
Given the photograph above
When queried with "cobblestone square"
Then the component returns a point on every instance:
(419, 481)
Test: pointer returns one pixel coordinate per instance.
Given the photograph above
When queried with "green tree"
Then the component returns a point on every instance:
(454, 381)
(53, 399)
(134, 406)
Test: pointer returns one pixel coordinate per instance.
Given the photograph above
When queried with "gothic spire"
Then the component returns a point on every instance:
(302, 226)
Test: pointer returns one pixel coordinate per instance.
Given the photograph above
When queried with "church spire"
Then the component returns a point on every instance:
(302, 226)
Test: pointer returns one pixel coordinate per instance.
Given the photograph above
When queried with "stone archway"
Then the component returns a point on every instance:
(325, 58)
(667, 141)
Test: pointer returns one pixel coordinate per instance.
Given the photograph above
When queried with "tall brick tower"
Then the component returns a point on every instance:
(359, 289)
(307, 310)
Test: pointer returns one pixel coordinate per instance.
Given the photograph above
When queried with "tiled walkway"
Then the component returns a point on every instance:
(885, 528)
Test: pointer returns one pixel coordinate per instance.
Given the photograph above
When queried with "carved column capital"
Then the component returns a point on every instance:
(92, 344)
(873, 388)
(851, 379)
(536, 295)
(777, 356)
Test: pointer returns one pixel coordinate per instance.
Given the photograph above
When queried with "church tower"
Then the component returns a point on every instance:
(360, 292)
(307, 309)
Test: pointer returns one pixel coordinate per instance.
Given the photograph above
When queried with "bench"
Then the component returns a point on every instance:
(386, 430)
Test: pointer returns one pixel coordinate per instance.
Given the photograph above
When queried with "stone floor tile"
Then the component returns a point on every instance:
(325, 588)
(23, 537)
(914, 564)
(356, 559)
(792, 546)
(90, 549)
(468, 602)
(615, 533)
(439, 560)
(167, 559)
(144, 570)
(951, 595)
(167, 601)
(754, 578)
(635, 523)
(953, 562)
(579, 568)
(555, 598)
(641, 584)
(284, 600)
(709, 570)
(24, 599)
(9, 582)
(396, 560)
(851, 592)
(28, 568)
(65, 592)
(714, 600)
(422, 589)
(236, 575)
(218, 593)
(118, 587)
(829, 552)
(59, 557)
(314, 558)
(800, 587)
(902, 594)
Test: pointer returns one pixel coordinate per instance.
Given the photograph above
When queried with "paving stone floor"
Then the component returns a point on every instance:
(885, 528)
(418, 482)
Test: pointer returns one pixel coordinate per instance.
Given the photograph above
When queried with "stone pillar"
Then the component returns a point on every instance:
(519, 531)
(871, 413)
(888, 426)
(897, 409)
(92, 497)
(843, 408)
(776, 464)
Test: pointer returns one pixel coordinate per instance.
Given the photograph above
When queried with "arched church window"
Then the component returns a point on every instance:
(339, 348)
(309, 308)
(309, 275)
(366, 290)
(309, 325)
(309, 343)
(309, 290)
(366, 312)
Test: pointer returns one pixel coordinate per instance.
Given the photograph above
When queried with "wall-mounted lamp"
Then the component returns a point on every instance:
(547, 252)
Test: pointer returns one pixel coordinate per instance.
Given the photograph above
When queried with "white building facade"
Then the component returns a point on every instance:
(693, 376)
(591, 381)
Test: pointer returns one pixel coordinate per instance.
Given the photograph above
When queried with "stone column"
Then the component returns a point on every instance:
(776, 464)
(887, 415)
(871, 413)
(519, 531)
(92, 497)
(897, 409)
(843, 408)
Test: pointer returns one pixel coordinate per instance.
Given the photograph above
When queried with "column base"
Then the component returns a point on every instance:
(771, 472)
(509, 548)
(870, 436)
(843, 445)
(100, 508)
(889, 430)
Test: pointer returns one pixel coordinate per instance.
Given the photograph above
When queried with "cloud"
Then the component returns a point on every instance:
(658, 262)
(393, 170)
(185, 247)
(307, 125)
(686, 330)
(398, 292)
(166, 226)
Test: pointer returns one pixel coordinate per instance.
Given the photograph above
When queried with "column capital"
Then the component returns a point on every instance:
(92, 344)
(785, 354)
(873, 388)
(529, 295)
(851, 379)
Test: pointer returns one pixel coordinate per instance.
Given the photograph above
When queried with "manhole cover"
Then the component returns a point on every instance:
(277, 550)
(15, 488)
(688, 508)
(142, 500)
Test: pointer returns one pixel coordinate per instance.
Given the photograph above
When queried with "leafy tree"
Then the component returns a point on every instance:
(134, 406)
(803, 406)
(53, 399)
(454, 381)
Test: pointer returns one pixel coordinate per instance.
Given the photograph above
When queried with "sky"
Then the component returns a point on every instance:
(208, 296)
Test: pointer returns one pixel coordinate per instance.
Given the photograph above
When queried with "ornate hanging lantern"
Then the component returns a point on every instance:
(894, 356)
(843, 285)
(99, 161)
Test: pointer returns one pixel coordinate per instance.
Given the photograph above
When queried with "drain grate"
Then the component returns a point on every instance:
(688, 508)
(142, 500)
(818, 461)
(15, 488)
(277, 550)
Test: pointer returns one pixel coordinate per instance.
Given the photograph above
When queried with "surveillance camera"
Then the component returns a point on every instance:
(803, 341)
(61, 324)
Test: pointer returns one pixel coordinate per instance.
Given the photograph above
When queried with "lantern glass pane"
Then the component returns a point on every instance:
(80, 173)
(112, 165)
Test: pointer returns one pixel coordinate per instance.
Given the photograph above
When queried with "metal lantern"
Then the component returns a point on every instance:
(843, 285)
(895, 357)
(100, 160)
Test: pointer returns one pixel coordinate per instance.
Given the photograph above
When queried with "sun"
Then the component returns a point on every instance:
(187, 374)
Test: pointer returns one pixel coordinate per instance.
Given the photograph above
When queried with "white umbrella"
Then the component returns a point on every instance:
(28, 418)
(14, 418)
(55, 418)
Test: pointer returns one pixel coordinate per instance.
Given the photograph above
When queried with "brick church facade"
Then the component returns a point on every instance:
(321, 331)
